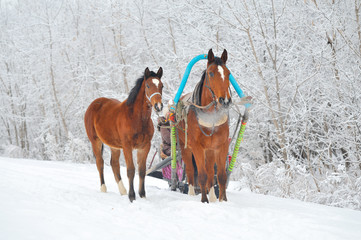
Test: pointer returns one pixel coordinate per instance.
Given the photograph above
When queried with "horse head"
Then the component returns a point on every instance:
(153, 88)
(217, 78)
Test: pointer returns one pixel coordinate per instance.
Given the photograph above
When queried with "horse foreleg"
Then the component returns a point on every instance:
(198, 153)
(114, 162)
(187, 158)
(210, 161)
(128, 155)
(142, 160)
(221, 172)
(97, 150)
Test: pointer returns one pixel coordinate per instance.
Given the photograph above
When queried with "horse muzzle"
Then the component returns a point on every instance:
(158, 107)
(225, 102)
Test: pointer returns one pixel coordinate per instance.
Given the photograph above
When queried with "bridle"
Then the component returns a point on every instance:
(208, 85)
(155, 93)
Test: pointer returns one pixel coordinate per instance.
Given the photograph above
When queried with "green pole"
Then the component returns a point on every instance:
(238, 143)
(236, 147)
(174, 157)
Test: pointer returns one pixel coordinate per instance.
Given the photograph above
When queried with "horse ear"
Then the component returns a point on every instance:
(146, 73)
(160, 72)
(224, 56)
(210, 56)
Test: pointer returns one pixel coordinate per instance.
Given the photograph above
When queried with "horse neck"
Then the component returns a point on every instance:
(141, 106)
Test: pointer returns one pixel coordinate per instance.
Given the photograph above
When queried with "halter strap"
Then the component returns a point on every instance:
(152, 95)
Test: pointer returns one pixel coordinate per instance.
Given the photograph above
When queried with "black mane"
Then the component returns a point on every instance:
(197, 93)
(135, 90)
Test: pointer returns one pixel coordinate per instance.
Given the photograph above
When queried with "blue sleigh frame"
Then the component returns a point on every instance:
(186, 75)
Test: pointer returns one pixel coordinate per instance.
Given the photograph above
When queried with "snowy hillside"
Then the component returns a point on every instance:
(57, 200)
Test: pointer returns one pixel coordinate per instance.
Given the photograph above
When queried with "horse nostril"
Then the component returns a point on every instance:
(158, 107)
(221, 100)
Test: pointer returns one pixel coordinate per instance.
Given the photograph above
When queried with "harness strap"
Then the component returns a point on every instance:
(214, 102)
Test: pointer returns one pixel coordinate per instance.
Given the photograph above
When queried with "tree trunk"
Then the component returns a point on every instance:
(52, 78)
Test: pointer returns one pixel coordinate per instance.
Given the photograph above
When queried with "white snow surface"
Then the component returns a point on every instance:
(62, 200)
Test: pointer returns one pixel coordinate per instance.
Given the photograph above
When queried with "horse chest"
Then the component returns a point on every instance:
(139, 138)
(143, 133)
(214, 132)
(196, 138)
(212, 142)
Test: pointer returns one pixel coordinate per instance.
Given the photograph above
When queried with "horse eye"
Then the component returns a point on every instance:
(147, 85)
(211, 74)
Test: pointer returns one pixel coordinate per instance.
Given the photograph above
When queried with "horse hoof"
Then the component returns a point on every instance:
(191, 191)
(212, 195)
(204, 200)
(131, 196)
(223, 198)
(103, 188)
(122, 189)
(142, 194)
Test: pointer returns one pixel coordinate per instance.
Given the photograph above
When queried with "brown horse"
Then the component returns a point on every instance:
(208, 129)
(127, 125)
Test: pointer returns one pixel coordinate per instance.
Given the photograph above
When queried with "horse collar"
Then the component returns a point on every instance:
(211, 120)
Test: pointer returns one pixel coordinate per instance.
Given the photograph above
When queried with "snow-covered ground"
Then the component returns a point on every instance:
(59, 200)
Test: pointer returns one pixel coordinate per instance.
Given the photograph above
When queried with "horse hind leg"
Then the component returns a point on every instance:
(97, 144)
(221, 173)
(98, 152)
(114, 162)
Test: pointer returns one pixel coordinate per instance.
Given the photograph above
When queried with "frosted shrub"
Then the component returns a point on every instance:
(337, 189)
(52, 148)
(13, 151)
(77, 150)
